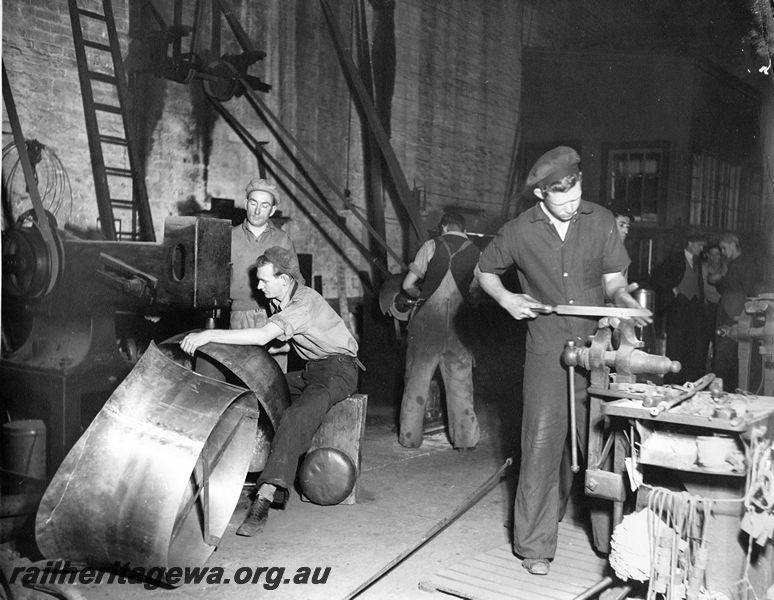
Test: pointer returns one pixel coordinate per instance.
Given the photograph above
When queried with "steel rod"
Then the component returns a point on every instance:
(599, 586)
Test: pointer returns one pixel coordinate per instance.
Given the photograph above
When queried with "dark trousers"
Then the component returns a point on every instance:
(726, 362)
(545, 477)
(313, 392)
(690, 327)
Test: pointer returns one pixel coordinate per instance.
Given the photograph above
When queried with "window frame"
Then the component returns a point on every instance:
(609, 150)
(724, 195)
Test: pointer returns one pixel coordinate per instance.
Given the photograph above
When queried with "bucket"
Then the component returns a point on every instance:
(24, 449)
(645, 297)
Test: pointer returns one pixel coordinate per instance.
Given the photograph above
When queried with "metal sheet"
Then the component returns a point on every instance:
(128, 489)
(251, 366)
(599, 311)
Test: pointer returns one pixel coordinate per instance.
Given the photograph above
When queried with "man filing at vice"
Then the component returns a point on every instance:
(567, 251)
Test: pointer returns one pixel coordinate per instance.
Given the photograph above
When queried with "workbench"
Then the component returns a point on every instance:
(696, 419)
(678, 459)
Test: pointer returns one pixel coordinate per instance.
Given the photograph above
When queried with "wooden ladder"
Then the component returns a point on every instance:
(122, 200)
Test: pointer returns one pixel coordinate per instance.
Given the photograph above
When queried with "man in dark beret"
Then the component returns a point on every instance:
(303, 318)
(567, 251)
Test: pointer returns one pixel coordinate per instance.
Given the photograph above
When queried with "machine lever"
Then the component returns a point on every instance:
(573, 430)
(126, 278)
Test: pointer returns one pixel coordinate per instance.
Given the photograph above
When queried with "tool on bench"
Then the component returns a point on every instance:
(679, 394)
(594, 311)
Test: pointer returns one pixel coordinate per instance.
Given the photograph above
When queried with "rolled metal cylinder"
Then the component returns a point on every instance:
(248, 366)
(156, 476)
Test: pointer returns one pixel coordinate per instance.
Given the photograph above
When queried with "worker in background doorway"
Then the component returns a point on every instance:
(679, 283)
(567, 251)
(623, 221)
(437, 335)
(248, 241)
(303, 318)
(713, 269)
(743, 279)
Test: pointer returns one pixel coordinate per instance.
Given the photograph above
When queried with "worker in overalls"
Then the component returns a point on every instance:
(436, 335)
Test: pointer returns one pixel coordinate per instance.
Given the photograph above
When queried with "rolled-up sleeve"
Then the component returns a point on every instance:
(419, 265)
(501, 252)
(293, 320)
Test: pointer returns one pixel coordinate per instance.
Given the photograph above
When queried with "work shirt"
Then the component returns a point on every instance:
(556, 271)
(313, 328)
(245, 249)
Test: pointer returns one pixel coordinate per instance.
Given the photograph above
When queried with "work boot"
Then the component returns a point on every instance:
(256, 517)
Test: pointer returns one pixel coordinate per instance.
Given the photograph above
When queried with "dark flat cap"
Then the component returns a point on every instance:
(262, 185)
(284, 261)
(554, 165)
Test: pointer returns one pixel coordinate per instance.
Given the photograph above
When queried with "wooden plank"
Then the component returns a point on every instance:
(504, 557)
(497, 575)
(484, 590)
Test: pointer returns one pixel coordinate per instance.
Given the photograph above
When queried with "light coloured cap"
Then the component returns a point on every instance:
(262, 185)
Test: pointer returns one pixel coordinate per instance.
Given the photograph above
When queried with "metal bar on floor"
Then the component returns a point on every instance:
(468, 503)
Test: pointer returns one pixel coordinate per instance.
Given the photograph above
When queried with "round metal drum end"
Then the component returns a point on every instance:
(327, 476)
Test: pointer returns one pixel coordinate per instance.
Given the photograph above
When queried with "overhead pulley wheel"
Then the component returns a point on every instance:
(27, 266)
(221, 81)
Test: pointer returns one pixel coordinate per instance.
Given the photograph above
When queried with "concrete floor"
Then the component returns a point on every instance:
(403, 494)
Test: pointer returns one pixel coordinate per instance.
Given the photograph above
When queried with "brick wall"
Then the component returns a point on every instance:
(455, 106)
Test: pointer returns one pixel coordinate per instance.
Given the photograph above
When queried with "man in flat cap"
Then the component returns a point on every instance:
(567, 251)
(303, 318)
(248, 241)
